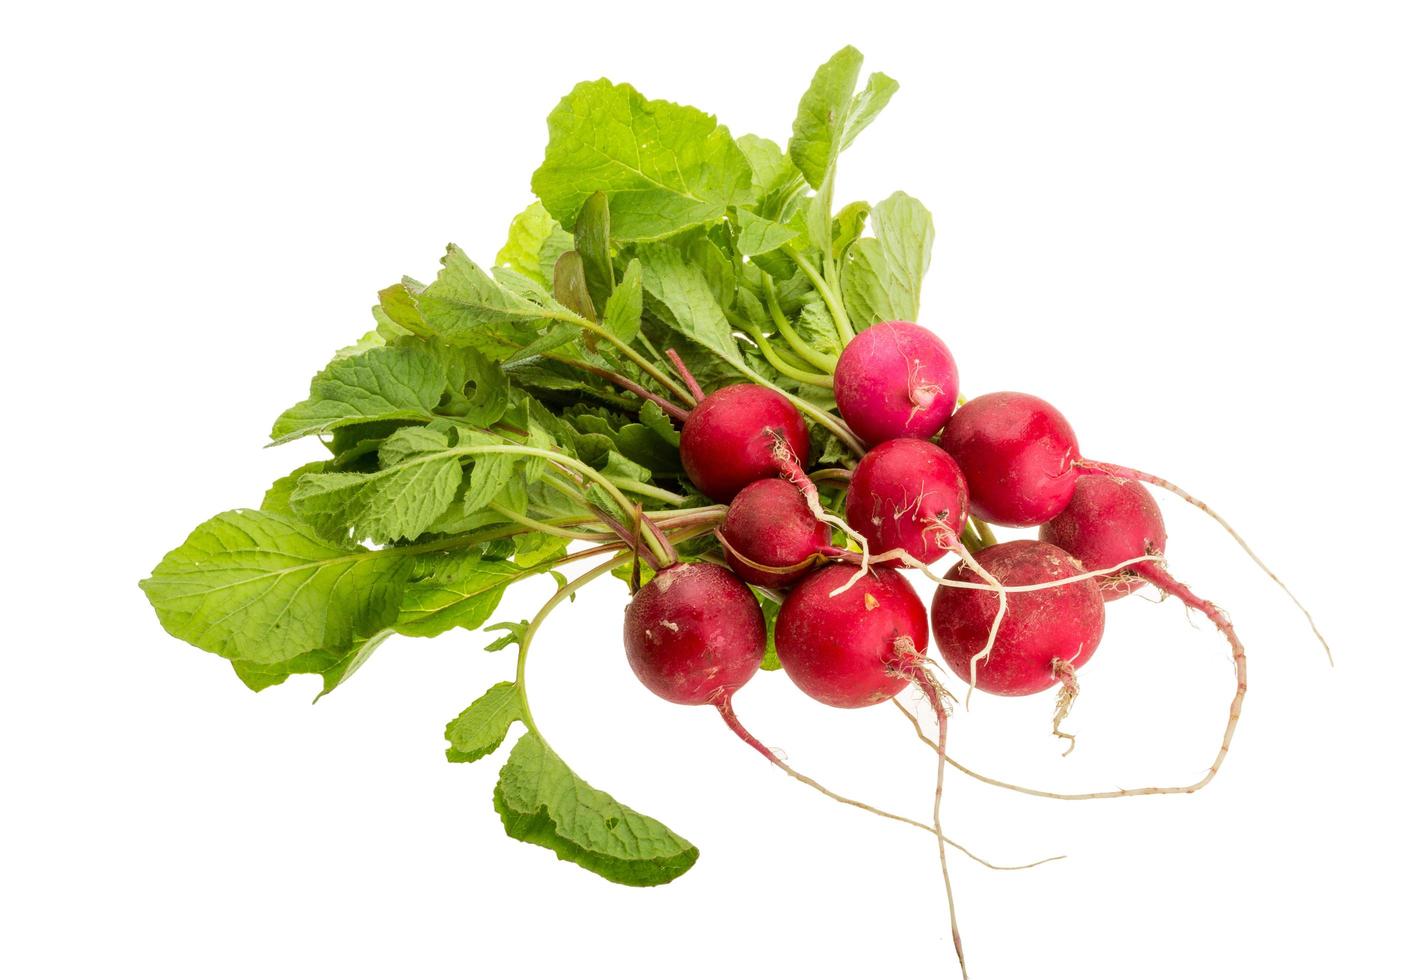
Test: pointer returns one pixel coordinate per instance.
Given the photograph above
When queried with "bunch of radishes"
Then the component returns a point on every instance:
(1011, 619)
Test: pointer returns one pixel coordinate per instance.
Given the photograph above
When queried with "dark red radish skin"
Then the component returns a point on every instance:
(854, 649)
(1108, 522)
(1018, 454)
(728, 441)
(1062, 624)
(895, 379)
(908, 494)
(769, 523)
(694, 634)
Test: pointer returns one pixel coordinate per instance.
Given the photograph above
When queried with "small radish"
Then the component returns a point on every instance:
(1107, 522)
(695, 634)
(1111, 520)
(855, 648)
(1022, 461)
(850, 642)
(908, 494)
(728, 442)
(770, 536)
(1018, 454)
(1045, 635)
(895, 379)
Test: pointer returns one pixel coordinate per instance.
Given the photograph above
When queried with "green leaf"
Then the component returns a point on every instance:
(397, 314)
(760, 235)
(459, 589)
(769, 167)
(259, 677)
(848, 225)
(770, 608)
(689, 303)
(824, 112)
(512, 633)
(866, 106)
(569, 286)
(623, 308)
(543, 802)
(655, 418)
(663, 167)
(418, 479)
(265, 588)
(464, 301)
(278, 496)
(831, 116)
(401, 382)
(491, 392)
(481, 727)
(592, 237)
(533, 235)
(882, 276)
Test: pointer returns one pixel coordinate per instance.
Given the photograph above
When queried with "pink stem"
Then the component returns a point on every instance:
(685, 375)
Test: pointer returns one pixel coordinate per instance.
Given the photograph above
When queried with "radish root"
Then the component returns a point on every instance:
(1127, 473)
(727, 712)
(1069, 691)
(1157, 576)
(911, 663)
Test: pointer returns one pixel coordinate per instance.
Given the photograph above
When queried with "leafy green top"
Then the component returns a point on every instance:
(496, 417)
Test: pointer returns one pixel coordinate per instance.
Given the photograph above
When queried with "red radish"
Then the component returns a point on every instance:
(1022, 461)
(1107, 522)
(770, 525)
(1045, 636)
(855, 648)
(895, 379)
(695, 634)
(858, 647)
(1018, 454)
(728, 441)
(908, 494)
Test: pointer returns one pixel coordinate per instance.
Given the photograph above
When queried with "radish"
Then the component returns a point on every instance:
(728, 441)
(770, 536)
(1110, 520)
(855, 648)
(852, 641)
(1045, 635)
(908, 494)
(1018, 455)
(1022, 461)
(695, 634)
(895, 379)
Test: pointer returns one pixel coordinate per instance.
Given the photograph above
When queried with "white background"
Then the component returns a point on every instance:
(1191, 227)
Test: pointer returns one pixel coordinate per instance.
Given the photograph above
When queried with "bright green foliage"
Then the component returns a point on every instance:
(481, 727)
(543, 802)
(492, 426)
(663, 167)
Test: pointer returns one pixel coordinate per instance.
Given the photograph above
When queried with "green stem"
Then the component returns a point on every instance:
(665, 380)
(774, 358)
(820, 360)
(830, 295)
(647, 490)
(984, 532)
(550, 529)
(620, 558)
(526, 644)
